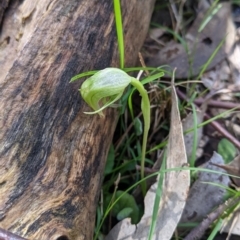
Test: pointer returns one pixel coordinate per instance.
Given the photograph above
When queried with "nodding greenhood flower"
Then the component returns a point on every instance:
(104, 88)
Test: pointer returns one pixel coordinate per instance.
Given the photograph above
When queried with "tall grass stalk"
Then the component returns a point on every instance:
(119, 28)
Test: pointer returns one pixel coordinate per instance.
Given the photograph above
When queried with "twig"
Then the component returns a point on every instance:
(199, 231)
(218, 104)
(125, 133)
(215, 124)
(177, 15)
(120, 141)
(224, 132)
(147, 170)
(211, 103)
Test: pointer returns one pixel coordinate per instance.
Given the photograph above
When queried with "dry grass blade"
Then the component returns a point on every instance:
(176, 184)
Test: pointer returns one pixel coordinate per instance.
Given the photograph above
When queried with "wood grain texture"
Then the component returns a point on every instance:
(52, 155)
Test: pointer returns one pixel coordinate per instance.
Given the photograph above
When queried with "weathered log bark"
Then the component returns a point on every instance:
(52, 155)
(3, 6)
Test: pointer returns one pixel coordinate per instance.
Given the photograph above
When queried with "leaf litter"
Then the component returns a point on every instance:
(222, 73)
(203, 195)
(222, 78)
(175, 190)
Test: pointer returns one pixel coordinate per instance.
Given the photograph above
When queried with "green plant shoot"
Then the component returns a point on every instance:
(106, 87)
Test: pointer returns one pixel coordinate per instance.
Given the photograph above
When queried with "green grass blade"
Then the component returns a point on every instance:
(157, 200)
(212, 119)
(155, 69)
(215, 230)
(228, 189)
(176, 35)
(164, 143)
(162, 171)
(211, 58)
(210, 13)
(119, 27)
(81, 75)
(152, 78)
(182, 41)
(195, 136)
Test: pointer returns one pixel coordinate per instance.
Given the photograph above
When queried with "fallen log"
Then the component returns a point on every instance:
(52, 155)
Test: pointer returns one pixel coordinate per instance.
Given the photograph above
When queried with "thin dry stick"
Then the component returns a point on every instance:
(126, 132)
(199, 231)
(215, 124)
(143, 63)
(224, 132)
(147, 170)
(176, 15)
(211, 103)
(218, 104)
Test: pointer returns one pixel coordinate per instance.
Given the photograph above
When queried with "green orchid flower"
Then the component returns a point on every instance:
(104, 88)
(107, 86)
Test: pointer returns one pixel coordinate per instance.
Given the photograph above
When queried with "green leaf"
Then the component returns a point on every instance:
(157, 199)
(227, 150)
(126, 201)
(138, 126)
(110, 161)
(81, 75)
(124, 213)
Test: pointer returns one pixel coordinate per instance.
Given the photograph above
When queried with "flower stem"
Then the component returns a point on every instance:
(145, 105)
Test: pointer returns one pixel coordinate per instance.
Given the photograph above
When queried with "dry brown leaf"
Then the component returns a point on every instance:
(200, 44)
(203, 197)
(175, 190)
